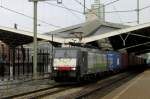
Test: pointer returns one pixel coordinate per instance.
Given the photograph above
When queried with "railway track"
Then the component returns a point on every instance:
(36, 94)
(31, 94)
(102, 87)
(76, 91)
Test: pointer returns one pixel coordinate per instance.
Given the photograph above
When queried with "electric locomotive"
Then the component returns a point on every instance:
(77, 63)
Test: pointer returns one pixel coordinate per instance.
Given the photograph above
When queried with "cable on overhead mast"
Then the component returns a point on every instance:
(144, 8)
(123, 11)
(28, 16)
(85, 7)
(111, 2)
(71, 12)
(63, 7)
(107, 4)
(118, 14)
(130, 22)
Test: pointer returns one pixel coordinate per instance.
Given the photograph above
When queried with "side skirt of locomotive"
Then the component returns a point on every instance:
(64, 76)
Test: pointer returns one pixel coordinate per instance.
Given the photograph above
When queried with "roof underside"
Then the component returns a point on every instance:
(14, 37)
(137, 41)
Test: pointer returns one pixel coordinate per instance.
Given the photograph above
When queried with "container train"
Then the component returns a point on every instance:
(83, 63)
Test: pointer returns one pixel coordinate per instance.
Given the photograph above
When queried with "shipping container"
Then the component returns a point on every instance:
(131, 60)
(114, 60)
(125, 61)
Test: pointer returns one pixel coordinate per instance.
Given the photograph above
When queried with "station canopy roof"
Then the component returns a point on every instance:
(14, 37)
(87, 29)
(133, 39)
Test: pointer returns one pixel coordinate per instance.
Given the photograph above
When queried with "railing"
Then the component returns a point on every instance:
(18, 64)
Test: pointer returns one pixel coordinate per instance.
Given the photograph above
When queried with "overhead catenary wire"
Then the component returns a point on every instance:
(107, 4)
(64, 7)
(118, 15)
(80, 3)
(88, 9)
(144, 8)
(28, 16)
(85, 7)
(111, 2)
(71, 12)
(130, 21)
(123, 11)
(28, 28)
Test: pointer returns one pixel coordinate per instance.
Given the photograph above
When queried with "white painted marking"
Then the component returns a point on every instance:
(131, 84)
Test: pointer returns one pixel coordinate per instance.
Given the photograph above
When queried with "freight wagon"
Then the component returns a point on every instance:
(114, 60)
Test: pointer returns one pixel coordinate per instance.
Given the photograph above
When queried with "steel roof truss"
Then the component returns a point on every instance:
(140, 35)
(134, 46)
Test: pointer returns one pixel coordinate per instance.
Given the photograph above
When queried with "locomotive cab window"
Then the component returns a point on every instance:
(65, 54)
(65, 59)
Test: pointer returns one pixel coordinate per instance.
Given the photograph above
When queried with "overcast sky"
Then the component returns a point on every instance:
(62, 17)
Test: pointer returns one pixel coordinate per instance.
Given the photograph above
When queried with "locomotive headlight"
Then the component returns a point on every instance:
(55, 68)
(73, 68)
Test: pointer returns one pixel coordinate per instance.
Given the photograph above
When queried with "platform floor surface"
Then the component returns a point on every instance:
(137, 88)
(10, 89)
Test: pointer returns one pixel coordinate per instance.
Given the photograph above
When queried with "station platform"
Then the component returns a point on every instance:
(137, 88)
(15, 87)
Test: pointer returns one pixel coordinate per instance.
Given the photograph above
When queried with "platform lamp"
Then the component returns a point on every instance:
(35, 2)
